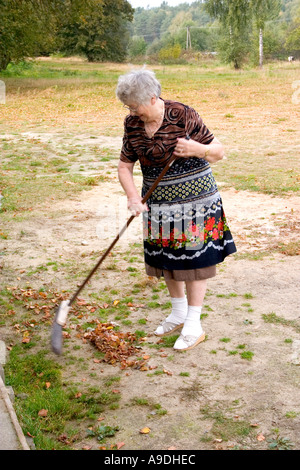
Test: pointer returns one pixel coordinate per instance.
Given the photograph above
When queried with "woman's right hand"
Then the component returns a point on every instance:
(136, 206)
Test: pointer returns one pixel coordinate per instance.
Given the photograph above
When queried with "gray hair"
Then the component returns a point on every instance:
(138, 86)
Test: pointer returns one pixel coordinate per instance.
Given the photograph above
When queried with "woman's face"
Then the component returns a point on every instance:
(143, 111)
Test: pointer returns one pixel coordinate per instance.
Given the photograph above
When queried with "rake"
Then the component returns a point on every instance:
(64, 308)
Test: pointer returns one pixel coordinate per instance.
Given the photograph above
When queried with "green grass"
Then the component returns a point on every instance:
(226, 428)
(38, 385)
(24, 188)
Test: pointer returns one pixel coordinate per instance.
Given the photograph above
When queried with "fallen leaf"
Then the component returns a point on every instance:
(48, 385)
(120, 444)
(26, 340)
(260, 437)
(145, 430)
(43, 413)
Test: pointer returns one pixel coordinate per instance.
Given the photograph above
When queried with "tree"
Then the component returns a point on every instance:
(236, 18)
(100, 32)
(137, 47)
(293, 38)
(263, 10)
(95, 28)
(26, 27)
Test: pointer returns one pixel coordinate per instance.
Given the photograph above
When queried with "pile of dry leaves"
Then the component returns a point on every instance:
(117, 346)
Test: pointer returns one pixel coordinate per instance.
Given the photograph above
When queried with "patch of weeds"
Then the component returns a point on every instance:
(248, 355)
(291, 414)
(226, 428)
(273, 318)
(155, 408)
(289, 249)
(208, 308)
(248, 295)
(131, 269)
(167, 305)
(102, 432)
(168, 341)
(280, 443)
(153, 304)
(227, 296)
(140, 401)
(111, 380)
(158, 410)
(156, 372)
(192, 391)
(140, 334)
(225, 340)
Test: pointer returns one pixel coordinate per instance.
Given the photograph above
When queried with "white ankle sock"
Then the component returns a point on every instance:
(192, 324)
(179, 310)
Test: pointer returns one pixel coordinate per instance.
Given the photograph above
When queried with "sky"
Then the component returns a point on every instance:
(156, 3)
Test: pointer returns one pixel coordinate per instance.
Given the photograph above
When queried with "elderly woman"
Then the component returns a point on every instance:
(185, 230)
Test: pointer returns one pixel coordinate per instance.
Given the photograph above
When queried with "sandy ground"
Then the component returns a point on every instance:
(196, 387)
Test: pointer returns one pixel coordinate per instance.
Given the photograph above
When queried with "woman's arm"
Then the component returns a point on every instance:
(134, 200)
(212, 152)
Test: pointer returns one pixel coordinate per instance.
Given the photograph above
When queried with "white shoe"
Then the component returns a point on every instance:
(183, 343)
(167, 327)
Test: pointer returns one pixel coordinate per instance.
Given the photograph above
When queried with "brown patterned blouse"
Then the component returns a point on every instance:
(179, 120)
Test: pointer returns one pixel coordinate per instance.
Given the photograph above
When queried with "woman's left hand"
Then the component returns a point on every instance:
(212, 152)
(186, 148)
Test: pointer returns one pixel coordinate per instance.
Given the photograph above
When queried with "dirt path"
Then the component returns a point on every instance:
(211, 395)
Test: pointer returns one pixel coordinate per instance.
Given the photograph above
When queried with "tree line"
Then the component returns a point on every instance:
(238, 30)
(96, 29)
(111, 30)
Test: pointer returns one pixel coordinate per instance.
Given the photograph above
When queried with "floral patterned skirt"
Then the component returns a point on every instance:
(186, 228)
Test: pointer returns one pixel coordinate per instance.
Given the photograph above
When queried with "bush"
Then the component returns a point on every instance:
(170, 54)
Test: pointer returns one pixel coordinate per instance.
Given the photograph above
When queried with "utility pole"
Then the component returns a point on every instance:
(261, 48)
(188, 38)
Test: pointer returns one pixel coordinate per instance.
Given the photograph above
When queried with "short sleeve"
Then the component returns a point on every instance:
(196, 128)
(128, 155)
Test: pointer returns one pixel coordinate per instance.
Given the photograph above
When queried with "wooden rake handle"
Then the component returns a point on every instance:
(145, 198)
